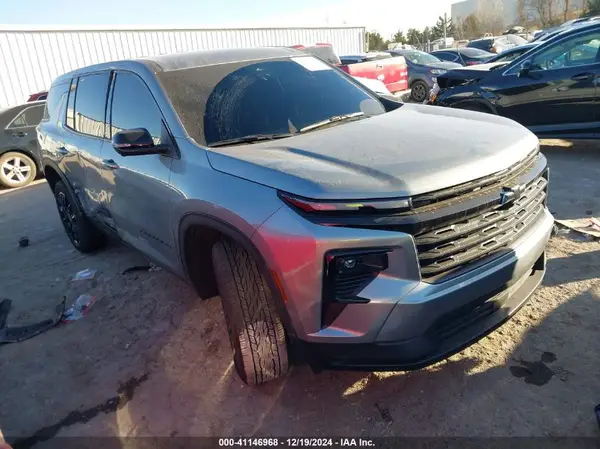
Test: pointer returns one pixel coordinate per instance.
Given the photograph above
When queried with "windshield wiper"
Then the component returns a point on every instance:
(334, 119)
(249, 139)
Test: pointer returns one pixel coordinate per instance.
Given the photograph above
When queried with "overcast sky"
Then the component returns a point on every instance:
(385, 16)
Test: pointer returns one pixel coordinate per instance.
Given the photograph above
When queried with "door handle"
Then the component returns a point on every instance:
(19, 134)
(110, 164)
(582, 76)
(378, 66)
(62, 150)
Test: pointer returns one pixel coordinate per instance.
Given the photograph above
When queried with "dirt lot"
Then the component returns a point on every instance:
(152, 359)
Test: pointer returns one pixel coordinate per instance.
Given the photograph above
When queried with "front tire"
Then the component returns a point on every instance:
(16, 169)
(84, 236)
(255, 329)
(419, 91)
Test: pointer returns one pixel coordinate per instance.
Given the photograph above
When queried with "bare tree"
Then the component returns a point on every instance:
(567, 4)
(544, 10)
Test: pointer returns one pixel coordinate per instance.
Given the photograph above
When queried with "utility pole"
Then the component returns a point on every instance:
(445, 29)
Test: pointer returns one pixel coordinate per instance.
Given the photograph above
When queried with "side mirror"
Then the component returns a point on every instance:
(525, 68)
(136, 142)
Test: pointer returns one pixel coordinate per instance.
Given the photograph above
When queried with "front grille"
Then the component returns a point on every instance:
(452, 245)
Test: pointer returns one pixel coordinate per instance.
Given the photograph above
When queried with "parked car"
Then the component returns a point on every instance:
(392, 72)
(38, 96)
(464, 56)
(552, 89)
(497, 44)
(423, 68)
(317, 211)
(513, 53)
(19, 154)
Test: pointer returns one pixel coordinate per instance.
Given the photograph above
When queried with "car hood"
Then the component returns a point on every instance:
(412, 150)
(471, 73)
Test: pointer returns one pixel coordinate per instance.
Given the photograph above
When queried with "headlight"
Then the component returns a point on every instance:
(438, 71)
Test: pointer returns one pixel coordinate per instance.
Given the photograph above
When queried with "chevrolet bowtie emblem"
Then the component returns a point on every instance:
(511, 194)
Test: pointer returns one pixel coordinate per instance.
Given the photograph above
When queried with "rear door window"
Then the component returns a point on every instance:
(28, 117)
(90, 104)
(133, 106)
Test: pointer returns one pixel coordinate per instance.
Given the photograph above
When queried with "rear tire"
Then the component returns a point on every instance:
(16, 169)
(84, 235)
(256, 332)
(419, 91)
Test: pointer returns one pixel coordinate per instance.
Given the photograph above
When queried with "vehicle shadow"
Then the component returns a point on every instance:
(535, 376)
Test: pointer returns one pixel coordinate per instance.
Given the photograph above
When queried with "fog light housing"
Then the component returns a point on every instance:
(345, 275)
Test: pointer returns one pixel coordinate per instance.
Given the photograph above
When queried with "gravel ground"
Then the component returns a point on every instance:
(152, 359)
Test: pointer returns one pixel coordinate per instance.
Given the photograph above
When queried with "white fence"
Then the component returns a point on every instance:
(31, 59)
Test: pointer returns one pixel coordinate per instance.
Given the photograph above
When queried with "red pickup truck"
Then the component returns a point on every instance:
(390, 70)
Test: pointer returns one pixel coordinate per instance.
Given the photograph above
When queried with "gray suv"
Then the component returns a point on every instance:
(342, 229)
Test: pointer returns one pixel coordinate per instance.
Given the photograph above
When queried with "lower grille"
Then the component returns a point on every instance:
(349, 286)
(449, 247)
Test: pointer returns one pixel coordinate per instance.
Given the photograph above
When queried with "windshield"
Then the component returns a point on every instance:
(420, 57)
(253, 98)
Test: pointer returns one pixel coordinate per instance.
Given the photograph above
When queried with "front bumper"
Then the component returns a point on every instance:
(408, 323)
(450, 332)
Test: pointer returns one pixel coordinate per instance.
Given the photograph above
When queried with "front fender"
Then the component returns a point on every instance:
(459, 97)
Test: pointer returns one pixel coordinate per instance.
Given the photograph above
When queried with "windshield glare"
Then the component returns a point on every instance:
(231, 101)
(420, 57)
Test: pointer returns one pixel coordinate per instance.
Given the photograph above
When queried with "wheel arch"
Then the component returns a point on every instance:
(53, 174)
(204, 231)
(478, 103)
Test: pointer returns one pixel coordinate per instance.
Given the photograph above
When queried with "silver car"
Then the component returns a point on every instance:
(340, 228)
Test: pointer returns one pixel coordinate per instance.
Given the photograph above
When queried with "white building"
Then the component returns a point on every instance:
(31, 58)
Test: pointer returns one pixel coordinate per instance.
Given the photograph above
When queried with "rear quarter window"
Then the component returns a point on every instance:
(56, 96)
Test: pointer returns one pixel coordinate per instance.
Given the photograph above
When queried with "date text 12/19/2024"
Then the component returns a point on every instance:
(295, 442)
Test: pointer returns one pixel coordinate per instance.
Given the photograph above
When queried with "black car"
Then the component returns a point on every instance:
(552, 90)
(463, 56)
(19, 154)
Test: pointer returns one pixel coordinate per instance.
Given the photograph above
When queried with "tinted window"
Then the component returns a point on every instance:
(229, 101)
(70, 121)
(474, 53)
(133, 106)
(446, 56)
(572, 52)
(28, 117)
(90, 104)
(349, 61)
(324, 52)
(484, 44)
(56, 96)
